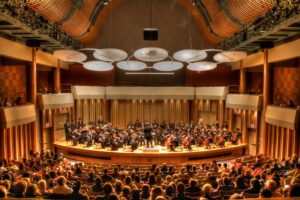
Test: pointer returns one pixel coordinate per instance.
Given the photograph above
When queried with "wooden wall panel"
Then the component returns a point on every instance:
(15, 142)
(12, 82)
(286, 82)
(124, 111)
(89, 110)
(281, 142)
(208, 110)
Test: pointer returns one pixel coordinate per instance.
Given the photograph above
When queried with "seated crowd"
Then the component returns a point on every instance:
(50, 176)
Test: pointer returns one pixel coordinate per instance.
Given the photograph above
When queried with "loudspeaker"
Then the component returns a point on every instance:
(150, 34)
(33, 43)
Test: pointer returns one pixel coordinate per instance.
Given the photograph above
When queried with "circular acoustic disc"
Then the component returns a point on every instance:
(167, 66)
(131, 65)
(98, 66)
(110, 55)
(190, 55)
(69, 55)
(88, 49)
(202, 66)
(151, 54)
(217, 50)
(230, 56)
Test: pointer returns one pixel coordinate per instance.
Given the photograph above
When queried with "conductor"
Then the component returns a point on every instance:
(148, 135)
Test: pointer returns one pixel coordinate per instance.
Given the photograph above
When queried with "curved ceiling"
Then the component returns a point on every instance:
(215, 19)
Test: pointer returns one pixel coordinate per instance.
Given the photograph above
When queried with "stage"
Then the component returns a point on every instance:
(143, 155)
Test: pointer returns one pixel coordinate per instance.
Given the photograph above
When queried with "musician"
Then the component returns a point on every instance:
(154, 124)
(148, 135)
(137, 124)
(163, 125)
(73, 125)
(100, 121)
(89, 139)
(80, 124)
(68, 130)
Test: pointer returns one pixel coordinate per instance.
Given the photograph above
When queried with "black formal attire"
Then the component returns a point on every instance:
(148, 135)
(68, 131)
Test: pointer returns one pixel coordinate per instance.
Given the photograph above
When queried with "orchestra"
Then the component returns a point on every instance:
(169, 135)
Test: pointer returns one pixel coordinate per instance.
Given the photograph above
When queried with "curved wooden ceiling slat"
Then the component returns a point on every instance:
(52, 10)
(80, 27)
(248, 11)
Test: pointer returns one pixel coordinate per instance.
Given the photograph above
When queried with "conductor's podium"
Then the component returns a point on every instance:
(151, 150)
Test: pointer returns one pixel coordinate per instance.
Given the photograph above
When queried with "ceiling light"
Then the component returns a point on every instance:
(149, 73)
(167, 66)
(151, 54)
(190, 55)
(69, 55)
(202, 66)
(110, 54)
(98, 66)
(131, 65)
(230, 56)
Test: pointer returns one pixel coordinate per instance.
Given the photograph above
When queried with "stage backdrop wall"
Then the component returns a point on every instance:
(123, 111)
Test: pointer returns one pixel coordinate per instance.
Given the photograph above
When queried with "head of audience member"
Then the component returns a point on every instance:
(169, 191)
(265, 193)
(77, 186)
(152, 180)
(155, 192)
(118, 186)
(236, 196)
(255, 184)
(271, 185)
(135, 194)
(180, 188)
(32, 190)
(20, 188)
(107, 188)
(61, 181)
(42, 185)
(207, 188)
(294, 190)
(126, 191)
(3, 192)
(240, 183)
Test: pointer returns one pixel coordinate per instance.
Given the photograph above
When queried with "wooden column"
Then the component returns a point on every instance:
(266, 87)
(295, 149)
(242, 79)
(3, 147)
(57, 85)
(33, 92)
(245, 136)
(221, 111)
(230, 120)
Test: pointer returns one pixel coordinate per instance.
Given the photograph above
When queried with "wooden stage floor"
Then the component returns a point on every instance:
(145, 156)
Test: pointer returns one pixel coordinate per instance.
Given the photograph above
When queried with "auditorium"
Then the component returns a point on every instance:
(150, 99)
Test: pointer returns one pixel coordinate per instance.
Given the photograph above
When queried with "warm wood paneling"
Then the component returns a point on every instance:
(124, 111)
(16, 142)
(77, 75)
(221, 76)
(12, 82)
(286, 82)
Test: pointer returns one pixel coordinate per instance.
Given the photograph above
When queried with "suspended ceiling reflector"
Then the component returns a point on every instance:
(190, 55)
(70, 55)
(98, 66)
(167, 66)
(131, 65)
(151, 54)
(202, 66)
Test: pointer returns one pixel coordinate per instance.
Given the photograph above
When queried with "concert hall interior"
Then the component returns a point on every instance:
(149, 99)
